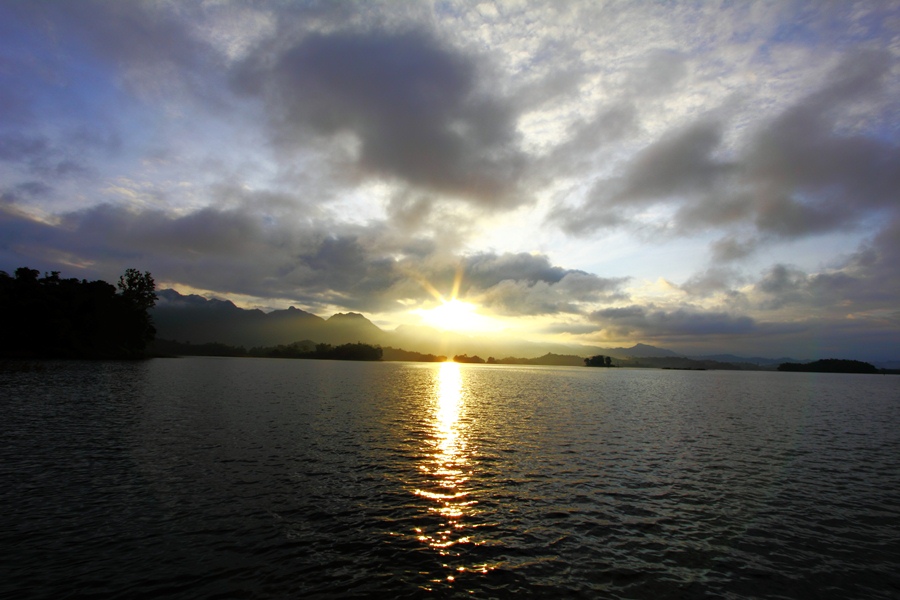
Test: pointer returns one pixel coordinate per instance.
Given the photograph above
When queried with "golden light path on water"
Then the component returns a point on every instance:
(448, 469)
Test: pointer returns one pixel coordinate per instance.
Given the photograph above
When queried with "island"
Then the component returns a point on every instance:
(829, 365)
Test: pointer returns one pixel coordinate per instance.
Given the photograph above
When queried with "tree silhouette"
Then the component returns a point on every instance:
(138, 289)
(51, 317)
(598, 361)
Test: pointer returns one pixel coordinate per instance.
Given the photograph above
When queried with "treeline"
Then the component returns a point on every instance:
(356, 351)
(830, 365)
(547, 359)
(598, 361)
(305, 349)
(399, 354)
(52, 317)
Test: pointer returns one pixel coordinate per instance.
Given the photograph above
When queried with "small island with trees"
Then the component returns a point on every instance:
(598, 361)
(829, 365)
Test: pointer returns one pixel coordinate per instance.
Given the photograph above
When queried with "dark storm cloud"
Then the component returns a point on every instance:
(816, 167)
(416, 108)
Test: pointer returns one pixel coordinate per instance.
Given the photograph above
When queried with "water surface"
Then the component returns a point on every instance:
(252, 478)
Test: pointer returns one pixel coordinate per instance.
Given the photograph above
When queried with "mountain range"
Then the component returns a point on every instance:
(195, 319)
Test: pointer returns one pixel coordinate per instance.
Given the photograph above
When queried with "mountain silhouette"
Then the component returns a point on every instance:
(196, 319)
(347, 328)
(192, 318)
(639, 351)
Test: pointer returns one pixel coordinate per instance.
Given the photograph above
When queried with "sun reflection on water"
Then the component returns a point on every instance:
(447, 470)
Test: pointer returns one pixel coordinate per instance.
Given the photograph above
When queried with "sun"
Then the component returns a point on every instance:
(456, 315)
(453, 314)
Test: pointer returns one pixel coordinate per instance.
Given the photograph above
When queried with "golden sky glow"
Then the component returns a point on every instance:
(456, 315)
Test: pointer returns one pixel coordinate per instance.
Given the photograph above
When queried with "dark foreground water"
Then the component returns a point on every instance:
(255, 478)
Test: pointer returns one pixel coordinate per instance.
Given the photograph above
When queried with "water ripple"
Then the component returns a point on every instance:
(239, 478)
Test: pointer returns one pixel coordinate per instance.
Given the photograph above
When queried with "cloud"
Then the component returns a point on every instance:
(150, 45)
(711, 281)
(38, 156)
(732, 248)
(526, 284)
(588, 138)
(677, 165)
(815, 177)
(661, 72)
(515, 284)
(818, 166)
(235, 250)
(21, 148)
(649, 322)
(865, 281)
(570, 295)
(414, 107)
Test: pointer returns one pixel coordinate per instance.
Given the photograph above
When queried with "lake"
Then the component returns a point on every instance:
(266, 478)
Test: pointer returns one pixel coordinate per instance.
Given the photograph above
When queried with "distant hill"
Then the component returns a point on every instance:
(345, 328)
(638, 351)
(195, 319)
(390, 353)
(893, 365)
(192, 318)
(569, 360)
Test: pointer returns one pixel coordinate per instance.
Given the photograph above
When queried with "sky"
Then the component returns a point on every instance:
(701, 176)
